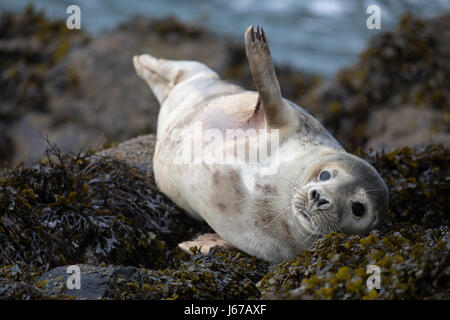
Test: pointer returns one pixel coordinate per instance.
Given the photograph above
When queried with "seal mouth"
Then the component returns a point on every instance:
(305, 216)
(318, 213)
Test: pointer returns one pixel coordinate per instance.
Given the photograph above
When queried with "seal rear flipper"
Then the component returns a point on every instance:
(264, 77)
(204, 243)
(163, 75)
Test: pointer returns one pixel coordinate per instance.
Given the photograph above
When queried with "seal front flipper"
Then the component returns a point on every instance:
(266, 83)
(204, 243)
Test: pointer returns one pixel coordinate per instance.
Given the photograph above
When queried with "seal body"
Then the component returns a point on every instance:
(274, 208)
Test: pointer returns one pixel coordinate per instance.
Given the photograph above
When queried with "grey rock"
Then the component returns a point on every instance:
(94, 281)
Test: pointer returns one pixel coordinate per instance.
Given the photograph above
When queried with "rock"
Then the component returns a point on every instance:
(134, 266)
(220, 275)
(407, 126)
(30, 46)
(137, 152)
(94, 281)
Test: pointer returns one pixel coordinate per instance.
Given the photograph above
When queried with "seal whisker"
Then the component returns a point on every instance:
(317, 236)
(312, 234)
(277, 216)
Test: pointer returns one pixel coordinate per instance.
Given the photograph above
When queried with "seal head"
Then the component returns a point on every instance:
(342, 193)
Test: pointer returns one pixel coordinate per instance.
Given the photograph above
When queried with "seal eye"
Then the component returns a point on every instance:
(358, 209)
(325, 175)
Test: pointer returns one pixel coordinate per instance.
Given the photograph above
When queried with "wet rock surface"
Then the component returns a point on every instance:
(103, 212)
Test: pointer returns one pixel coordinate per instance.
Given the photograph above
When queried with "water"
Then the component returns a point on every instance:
(318, 36)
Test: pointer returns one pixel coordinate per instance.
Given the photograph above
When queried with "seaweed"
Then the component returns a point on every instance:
(414, 264)
(97, 210)
(17, 281)
(418, 183)
(85, 208)
(221, 274)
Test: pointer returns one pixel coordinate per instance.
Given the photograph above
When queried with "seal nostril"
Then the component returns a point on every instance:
(314, 195)
(322, 201)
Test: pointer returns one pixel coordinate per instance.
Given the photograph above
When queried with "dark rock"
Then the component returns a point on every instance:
(220, 275)
(137, 152)
(94, 281)
(30, 46)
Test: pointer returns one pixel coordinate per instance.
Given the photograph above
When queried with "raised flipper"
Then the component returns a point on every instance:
(204, 243)
(163, 75)
(264, 78)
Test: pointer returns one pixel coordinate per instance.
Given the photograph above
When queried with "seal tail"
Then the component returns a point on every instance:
(163, 75)
(264, 77)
